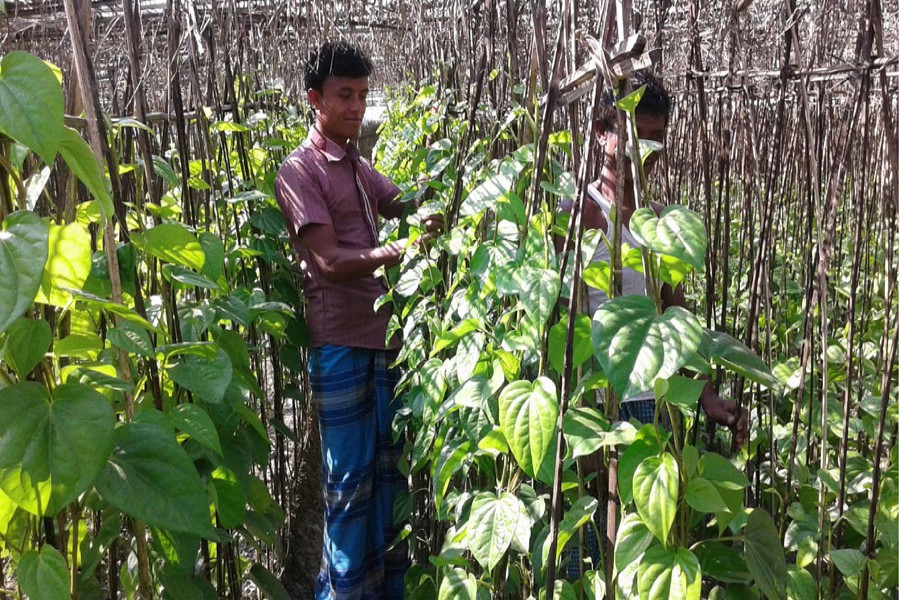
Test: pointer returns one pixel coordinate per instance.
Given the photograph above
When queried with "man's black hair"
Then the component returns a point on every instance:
(338, 59)
(655, 101)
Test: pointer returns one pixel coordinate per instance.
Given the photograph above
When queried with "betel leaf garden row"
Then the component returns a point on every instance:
(484, 321)
(152, 457)
(138, 434)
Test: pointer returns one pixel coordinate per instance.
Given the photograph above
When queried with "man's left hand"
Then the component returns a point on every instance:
(434, 227)
(728, 414)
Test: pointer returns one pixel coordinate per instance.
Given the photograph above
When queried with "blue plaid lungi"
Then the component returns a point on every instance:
(353, 390)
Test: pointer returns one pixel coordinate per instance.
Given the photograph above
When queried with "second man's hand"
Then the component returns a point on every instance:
(726, 413)
(433, 227)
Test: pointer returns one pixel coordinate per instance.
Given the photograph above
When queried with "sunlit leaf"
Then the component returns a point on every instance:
(81, 160)
(23, 253)
(635, 345)
(173, 243)
(582, 345)
(678, 232)
(492, 525)
(656, 493)
(53, 449)
(31, 104)
(528, 413)
(667, 573)
(722, 349)
(68, 263)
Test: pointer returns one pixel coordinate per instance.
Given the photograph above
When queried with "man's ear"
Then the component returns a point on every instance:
(314, 97)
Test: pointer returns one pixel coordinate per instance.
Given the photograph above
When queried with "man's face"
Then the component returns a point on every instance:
(340, 106)
(650, 127)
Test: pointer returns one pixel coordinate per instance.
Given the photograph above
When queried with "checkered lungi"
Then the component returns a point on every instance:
(353, 390)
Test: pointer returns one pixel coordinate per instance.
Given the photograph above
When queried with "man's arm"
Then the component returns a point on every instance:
(340, 264)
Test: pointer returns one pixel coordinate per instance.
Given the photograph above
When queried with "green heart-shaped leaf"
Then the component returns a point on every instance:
(722, 349)
(150, 477)
(678, 232)
(26, 343)
(31, 104)
(173, 243)
(23, 253)
(764, 553)
(44, 574)
(582, 345)
(656, 493)
(68, 263)
(635, 345)
(52, 450)
(668, 573)
(207, 379)
(528, 413)
(492, 526)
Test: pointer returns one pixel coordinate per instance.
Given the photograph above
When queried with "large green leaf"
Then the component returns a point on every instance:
(207, 379)
(723, 563)
(231, 500)
(173, 243)
(764, 554)
(31, 104)
(487, 194)
(492, 526)
(646, 443)
(632, 539)
(23, 252)
(656, 493)
(802, 585)
(582, 345)
(131, 338)
(81, 160)
(214, 250)
(44, 574)
(722, 349)
(667, 573)
(26, 343)
(719, 471)
(702, 496)
(583, 428)
(528, 413)
(458, 585)
(68, 263)
(678, 232)
(849, 561)
(635, 345)
(150, 477)
(539, 291)
(52, 450)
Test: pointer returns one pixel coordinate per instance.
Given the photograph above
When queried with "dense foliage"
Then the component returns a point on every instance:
(141, 403)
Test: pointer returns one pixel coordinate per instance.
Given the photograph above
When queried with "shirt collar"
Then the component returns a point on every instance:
(329, 148)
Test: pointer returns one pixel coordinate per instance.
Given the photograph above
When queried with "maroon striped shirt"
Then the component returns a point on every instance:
(316, 185)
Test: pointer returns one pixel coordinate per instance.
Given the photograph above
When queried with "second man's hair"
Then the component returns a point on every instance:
(655, 101)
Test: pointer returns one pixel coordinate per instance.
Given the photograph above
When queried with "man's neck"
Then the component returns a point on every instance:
(338, 141)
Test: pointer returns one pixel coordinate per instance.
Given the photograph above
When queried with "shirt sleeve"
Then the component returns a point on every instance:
(299, 195)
